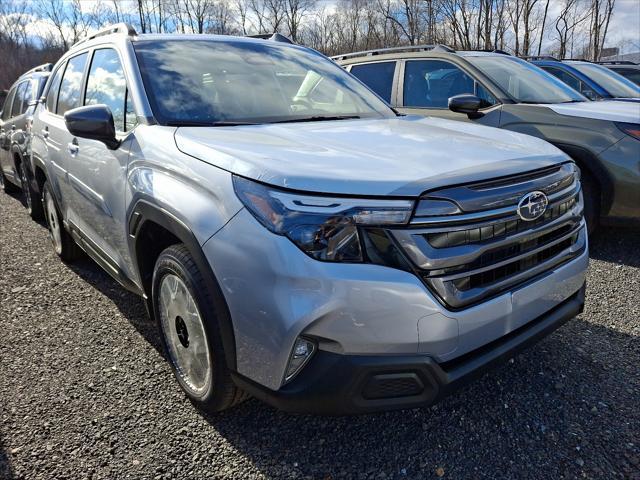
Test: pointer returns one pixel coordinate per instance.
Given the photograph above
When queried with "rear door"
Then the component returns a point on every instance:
(425, 86)
(14, 128)
(60, 141)
(381, 77)
(97, 174)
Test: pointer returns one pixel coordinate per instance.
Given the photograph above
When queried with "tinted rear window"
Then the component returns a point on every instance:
(377, 76)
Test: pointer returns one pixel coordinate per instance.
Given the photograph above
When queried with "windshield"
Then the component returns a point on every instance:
(204, 81)
(524, 82)
(612, 82)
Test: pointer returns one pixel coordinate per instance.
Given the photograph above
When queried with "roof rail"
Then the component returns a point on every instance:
(122, 28)
(408, 48)
(617, 62)
(274, 37)
(576, 60)
(539, 57)
(45, 67)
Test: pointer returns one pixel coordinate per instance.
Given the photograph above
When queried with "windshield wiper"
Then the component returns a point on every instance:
(318, 118)
(210, 124)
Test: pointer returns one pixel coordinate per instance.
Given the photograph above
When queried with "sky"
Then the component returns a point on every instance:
(624, 27)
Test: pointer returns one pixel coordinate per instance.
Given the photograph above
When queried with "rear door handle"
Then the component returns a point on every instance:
(73, 147)
(45, 132)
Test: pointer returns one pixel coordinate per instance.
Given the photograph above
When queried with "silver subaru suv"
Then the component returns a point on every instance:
(294, 237)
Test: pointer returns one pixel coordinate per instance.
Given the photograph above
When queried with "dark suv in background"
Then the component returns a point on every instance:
(629, 70)
(15, 136)
(499, 90)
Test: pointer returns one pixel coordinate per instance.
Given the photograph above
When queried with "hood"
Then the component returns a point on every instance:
(402, 156)
(614, 111)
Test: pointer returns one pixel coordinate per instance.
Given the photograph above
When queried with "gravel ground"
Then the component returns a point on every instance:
(86, 393)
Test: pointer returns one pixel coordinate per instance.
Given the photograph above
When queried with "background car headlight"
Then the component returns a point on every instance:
(632, 129)
(326, 228)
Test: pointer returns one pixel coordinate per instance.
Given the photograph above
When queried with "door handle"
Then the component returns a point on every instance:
(45, 132)
(73, 147)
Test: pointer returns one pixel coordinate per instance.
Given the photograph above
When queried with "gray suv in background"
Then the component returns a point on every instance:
(295, 238)
(15, 136)
(499, 90)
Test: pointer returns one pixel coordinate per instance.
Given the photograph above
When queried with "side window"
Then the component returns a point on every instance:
(28, 96)
(484, 95)
(52, 94)
(106, 85)
(6, 110)
(19, 99)
(71, 85)
(567, 78)
(430, 83)
(377, 76)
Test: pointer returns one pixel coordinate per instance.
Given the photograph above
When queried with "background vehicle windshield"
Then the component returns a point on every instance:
(524, 82)
(612, 82)
(208, 81)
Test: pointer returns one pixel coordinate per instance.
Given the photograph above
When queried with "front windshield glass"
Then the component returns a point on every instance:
(612, 82)
(524, 82)
(205, 81)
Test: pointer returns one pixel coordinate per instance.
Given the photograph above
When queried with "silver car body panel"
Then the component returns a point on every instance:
(603, 110)
(360, 157)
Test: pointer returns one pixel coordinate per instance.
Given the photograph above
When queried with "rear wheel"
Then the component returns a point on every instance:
(6, 185)
(63, 244)
(187, 316)
(31, 199)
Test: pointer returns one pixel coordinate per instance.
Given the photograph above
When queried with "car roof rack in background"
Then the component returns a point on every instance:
(539, 57)
(576, 60)
(408, 48)
(274, 37)
(617, 62)
(45, 67)
(121, 28)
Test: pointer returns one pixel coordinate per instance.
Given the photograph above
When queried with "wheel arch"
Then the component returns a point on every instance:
(152, 229)
(588, 162)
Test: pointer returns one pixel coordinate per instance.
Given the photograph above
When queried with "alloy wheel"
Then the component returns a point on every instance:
(184, 334)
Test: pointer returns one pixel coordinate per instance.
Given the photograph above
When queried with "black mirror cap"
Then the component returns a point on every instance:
(466, 103)
(94, 122)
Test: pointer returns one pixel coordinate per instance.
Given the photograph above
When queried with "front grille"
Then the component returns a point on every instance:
(487, 248)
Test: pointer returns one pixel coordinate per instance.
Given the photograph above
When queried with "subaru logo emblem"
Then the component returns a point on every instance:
(532, 206)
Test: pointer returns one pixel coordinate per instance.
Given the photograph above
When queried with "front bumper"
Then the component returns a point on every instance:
(337, 384)
(622, 162)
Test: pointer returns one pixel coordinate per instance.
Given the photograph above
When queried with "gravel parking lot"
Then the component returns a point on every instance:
(85, 392)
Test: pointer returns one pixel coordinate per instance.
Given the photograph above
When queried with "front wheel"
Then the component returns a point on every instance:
(188, 316)
(5, 185)
(591, 196)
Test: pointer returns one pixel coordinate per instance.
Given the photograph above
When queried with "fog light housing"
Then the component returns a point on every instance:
(302, 351)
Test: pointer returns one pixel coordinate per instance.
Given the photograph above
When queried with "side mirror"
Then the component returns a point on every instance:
(94, 122)
(466, 103)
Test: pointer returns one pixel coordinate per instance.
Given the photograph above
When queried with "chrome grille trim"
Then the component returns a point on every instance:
(467, 257)
(573, 189)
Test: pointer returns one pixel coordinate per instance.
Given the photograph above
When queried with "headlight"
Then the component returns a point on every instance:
(326, 228)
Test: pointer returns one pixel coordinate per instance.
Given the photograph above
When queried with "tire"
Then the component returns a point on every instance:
(6, 185)
(591, 196)
(188, 321)
(63, 244)
(32, 201)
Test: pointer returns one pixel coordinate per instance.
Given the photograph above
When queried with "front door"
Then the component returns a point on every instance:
(425, 87)
(97, 174)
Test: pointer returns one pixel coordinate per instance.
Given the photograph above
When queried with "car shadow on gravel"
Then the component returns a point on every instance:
(562, 406)
(131, 306)
(616, 245)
